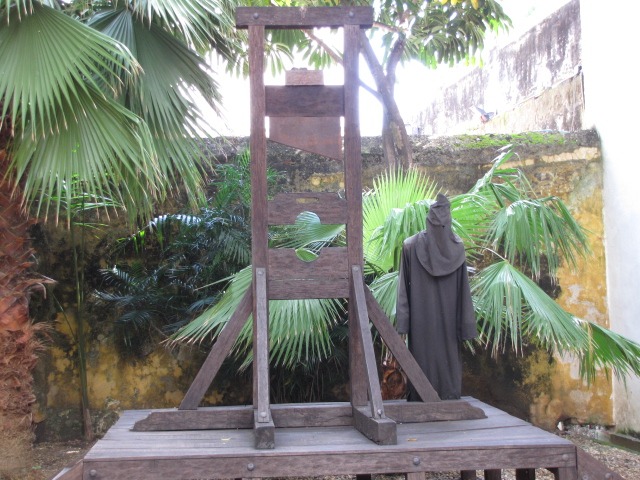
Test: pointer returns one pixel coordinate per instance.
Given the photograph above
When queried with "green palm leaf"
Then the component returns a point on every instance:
(510, 306)
(108, 148)
(299, 330)
(66, 62)
(394, 209)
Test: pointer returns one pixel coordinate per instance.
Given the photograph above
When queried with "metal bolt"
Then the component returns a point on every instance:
(93, 473)
(351, 14)
(608, 476)
(565, 457)
(256, 15)
(263, 414)
(416, 461)
(260, 272)
(250, 467)
(379, 411)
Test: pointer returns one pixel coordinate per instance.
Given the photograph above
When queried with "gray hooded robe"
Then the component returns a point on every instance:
(434, 301)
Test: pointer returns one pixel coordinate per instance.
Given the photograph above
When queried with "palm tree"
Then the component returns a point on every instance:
(111, 102)
(507, 231)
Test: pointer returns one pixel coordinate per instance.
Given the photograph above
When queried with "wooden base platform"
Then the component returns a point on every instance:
(499, 441)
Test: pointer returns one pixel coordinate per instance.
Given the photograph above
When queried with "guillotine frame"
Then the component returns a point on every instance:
(336, 273)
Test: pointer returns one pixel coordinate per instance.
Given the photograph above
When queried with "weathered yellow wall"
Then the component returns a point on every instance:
(571, 170)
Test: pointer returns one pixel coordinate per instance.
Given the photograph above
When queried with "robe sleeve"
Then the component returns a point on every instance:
(467, 328)
(403, 301)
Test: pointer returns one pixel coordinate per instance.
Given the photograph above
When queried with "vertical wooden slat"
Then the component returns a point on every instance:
(525, 474)
(492, 474)
(261, 348)
(468, 475)
(353, 194)
(258, 151)
(218, 353)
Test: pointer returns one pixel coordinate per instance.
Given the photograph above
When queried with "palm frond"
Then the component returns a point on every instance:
(106, 146)
(531, 230)
(608, 350)
(510, 306)
(67, 62)
(394, 209)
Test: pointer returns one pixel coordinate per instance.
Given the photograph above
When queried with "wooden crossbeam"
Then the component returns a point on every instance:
(332, 414)
(325, 277)
(304, 17)
(304, 101)
(328, 206)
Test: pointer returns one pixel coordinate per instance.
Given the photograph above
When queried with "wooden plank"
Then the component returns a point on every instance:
(291, 289)
(319, 135)
(414, 476)
(328, 206)
(369, 358)
(310, 415)
(325, 277)
(304, 101)
(445, 410)
(399, 350)
(261, 348)
(380, 430)
(590, 468)
(218, 353)
(391, 459)
(284, 264)
(303, 17)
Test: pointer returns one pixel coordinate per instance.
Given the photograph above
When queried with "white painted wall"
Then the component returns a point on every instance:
(612, 104)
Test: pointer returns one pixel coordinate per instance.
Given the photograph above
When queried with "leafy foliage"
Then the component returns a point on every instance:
(195, 254)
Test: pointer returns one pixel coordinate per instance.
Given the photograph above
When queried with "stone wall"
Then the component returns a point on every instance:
(534, 83)
(538, 387)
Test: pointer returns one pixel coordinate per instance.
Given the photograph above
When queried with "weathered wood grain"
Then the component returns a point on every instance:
(362, 321)
(381, 430)
(304, 17)
(261, 347)
(330, 208)
(304, 101)
(263, 432)
(73, 472)
(590, 468)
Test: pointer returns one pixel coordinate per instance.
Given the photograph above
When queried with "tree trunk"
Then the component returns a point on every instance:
(19, 343)
(395, 140)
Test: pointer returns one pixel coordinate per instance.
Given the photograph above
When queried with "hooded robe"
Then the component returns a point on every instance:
(434, 304)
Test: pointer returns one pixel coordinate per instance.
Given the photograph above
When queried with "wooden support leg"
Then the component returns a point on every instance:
(565, 473)
(414, 476)
(363, 477)
(373, 424)
(218, 353)
(263, 422)
(468, 475)
(526, 474)
(492, 474)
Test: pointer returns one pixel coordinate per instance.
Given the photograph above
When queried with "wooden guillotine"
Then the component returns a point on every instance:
(336, 273)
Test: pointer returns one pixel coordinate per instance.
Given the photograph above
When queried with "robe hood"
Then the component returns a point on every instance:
(439, 250)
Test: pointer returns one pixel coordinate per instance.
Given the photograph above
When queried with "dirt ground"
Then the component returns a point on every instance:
(51, 457)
